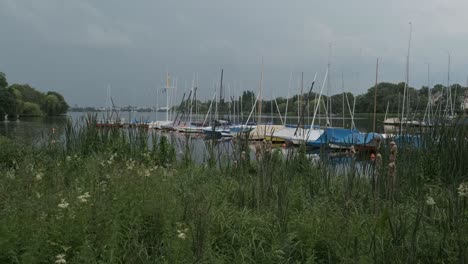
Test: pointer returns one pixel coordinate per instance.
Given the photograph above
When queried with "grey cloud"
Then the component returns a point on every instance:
(79, 46)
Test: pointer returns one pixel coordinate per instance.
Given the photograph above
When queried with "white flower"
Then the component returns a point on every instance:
(65, 248)
(39, 176)
(68, 158)
(63, 204)
(146, 173)
(10, 174)
(463, 189)
(60, 259)
(430, 201)
(84, 197)
(182, 236)
(130, 164)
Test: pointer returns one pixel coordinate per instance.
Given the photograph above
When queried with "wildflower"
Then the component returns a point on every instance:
(130, 164)
(65, 248)
(146, 173)
(430, 201)
(182, 236)
(60, 259)
(84, 197)
(39, 176)
(182, 232)
(463, 189)
(63, 204)
(10, 174)
(68, 158)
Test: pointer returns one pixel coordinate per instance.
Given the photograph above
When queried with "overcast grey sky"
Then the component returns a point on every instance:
(78, 47)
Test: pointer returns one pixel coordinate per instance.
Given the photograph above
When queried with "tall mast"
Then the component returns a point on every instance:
(342, 107)
(168, 83)
(449, 91)
(329, 110)
(407, 77)
(259, 118)
(375, 94)
(287, 99)
(429, 109)
(221, 92)
(301, 100)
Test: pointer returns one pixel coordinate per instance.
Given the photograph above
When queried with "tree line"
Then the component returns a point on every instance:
(389, 95)
(24, 100)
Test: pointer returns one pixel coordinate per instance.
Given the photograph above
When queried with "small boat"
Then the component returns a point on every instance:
(158, 124)
(237, 130)
(190, 127)
(331, 135)
(217, 132)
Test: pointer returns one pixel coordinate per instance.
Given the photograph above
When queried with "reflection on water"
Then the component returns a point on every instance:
(33, 127)
(33, 130)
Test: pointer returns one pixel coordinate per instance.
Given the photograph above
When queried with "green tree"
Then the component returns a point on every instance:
(7, 102)
(248, 98)
(29, 94)
(3, 80)
(31, 109)
(54, 104)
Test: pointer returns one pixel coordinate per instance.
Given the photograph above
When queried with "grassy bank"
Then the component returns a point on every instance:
(106, 197)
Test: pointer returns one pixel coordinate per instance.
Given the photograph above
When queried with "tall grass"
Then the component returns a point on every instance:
(121, 196)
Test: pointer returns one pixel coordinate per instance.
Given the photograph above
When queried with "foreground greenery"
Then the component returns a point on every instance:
(24, 100)
(105, 197)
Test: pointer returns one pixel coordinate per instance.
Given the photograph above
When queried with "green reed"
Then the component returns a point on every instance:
(114, 195)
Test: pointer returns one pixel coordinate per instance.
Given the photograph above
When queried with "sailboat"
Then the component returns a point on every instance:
(295, 134)
(166, 123)
(404, 121)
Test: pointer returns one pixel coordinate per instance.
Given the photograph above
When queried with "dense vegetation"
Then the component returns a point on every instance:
(24, 100)
(387, 93)
(103, 196)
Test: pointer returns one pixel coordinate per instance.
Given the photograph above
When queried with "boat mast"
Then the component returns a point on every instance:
(329, 107)
(342, 106)
(320, 97)
(428, 108)
(375, 94)
(301, 101)
(407, 77)
(167, 96)
(287, 100)
(259, 102)
(221, 93)
(449, 91)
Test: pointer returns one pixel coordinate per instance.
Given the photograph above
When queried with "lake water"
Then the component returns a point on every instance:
(31, 130)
